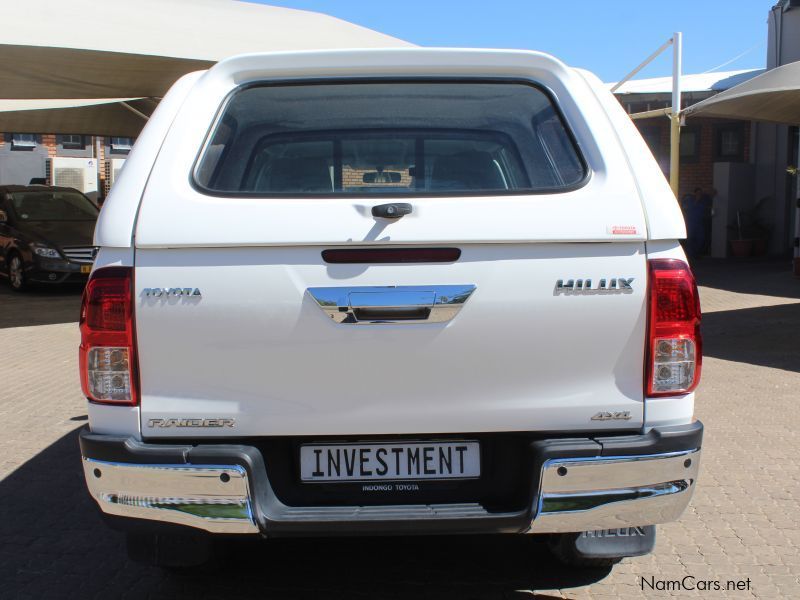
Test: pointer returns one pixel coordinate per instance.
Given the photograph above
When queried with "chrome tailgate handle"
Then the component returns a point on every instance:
(391, 305)
(404, 304)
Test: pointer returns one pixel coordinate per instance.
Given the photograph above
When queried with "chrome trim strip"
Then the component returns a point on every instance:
(616, 472)
(80, 254)
(399, 305)
(211, 497)
(584, 494)
(344, 514)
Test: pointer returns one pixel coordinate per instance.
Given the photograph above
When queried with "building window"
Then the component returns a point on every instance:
(690, 144)
(23, 141)
(71, 141)
(121, 145)
(652, 136)
(729, 142)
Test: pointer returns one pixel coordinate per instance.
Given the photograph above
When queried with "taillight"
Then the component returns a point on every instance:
(107, 354)
(674, 345)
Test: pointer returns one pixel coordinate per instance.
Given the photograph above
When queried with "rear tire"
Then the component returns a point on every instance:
(16, 273)
(168, 551)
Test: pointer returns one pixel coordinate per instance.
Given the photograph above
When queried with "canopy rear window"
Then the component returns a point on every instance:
(389, 138)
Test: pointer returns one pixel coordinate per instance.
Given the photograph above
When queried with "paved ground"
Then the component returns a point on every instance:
(744, 523)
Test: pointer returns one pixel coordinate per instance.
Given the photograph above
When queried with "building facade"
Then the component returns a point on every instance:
(715, 154)
(84, 162)
(776, 147)
(750, 165)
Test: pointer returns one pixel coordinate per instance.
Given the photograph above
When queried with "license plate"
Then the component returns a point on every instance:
(86, 268)
(390, 461)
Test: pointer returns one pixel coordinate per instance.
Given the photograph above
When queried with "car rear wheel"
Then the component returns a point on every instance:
(16, 274)
(168, 551)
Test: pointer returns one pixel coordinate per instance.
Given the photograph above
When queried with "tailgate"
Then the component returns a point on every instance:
(250, 347)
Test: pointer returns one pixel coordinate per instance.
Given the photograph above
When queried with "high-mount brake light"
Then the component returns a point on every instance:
(674, 346)
(107, 355)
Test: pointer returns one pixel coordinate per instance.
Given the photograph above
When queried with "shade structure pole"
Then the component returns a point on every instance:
(641, 66)
(675, 116)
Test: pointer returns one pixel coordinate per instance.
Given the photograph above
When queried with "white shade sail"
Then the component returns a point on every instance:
(133, 48)
(123, 117)
(773, 96)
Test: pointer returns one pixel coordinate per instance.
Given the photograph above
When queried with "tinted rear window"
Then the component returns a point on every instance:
(395, 138)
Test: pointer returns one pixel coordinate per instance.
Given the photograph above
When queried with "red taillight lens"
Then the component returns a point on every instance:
(107, 355)
(674, 345)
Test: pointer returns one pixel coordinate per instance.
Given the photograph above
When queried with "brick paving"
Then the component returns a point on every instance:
(743, 524)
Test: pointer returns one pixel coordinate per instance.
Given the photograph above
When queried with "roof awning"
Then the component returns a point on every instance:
(122, 117)
(772, 96)
(90, 49)
(92, 60)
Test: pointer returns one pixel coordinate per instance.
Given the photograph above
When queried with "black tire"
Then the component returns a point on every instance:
(562, 546)
(168, 551)
(16, 273)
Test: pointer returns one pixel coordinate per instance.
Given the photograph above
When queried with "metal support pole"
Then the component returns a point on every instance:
(138, 113)
(649, 114)
(675, 117)
(641, 66)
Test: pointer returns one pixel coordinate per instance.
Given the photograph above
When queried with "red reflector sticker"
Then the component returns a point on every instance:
(623, 230)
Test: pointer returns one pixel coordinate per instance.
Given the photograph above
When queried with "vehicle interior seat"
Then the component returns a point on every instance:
(471, 170)
(297, 175)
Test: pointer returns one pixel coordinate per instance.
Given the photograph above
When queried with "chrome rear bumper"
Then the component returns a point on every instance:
(226, 489)
(610, 493)
(209, 497)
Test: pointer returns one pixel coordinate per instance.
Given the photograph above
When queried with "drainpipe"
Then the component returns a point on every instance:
(97, 153)
(796, 241)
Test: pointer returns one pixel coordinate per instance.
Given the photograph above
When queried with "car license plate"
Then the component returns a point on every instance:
(390, 461)
(86, 268)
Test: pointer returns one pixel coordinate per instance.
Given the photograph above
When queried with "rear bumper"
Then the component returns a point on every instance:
(578, 484)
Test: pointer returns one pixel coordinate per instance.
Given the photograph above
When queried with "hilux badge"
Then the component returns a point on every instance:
(604, 285)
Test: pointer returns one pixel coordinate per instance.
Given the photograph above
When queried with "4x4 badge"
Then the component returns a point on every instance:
(622, 415)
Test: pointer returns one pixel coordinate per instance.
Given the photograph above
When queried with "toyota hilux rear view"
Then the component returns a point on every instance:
(390, 292)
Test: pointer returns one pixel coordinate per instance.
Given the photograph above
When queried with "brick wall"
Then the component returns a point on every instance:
(352, 177)
(48, 141)
(697, 171)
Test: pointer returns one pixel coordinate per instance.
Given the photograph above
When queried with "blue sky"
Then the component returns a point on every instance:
(609, 37)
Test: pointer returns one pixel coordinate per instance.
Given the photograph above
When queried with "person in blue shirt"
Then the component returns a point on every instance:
(696, 211)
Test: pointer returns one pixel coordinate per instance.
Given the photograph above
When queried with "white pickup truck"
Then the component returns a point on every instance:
(401, 291)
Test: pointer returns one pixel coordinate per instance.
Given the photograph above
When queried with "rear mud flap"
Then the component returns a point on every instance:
(611, 543)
